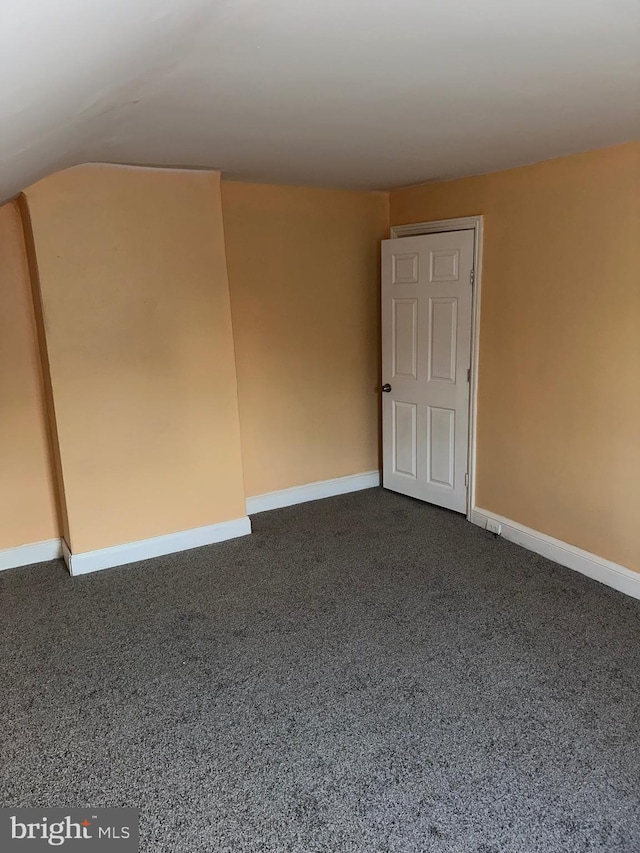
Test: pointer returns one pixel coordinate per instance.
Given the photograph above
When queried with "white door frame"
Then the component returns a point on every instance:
(475, 224)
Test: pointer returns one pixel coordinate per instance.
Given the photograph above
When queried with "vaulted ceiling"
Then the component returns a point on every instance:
(352, 93)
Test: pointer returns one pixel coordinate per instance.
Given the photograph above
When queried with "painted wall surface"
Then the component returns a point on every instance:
(304, 282)
(136, 309)
(559, 381)
(27, 504)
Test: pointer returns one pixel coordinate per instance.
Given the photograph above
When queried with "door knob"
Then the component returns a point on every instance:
(386, 388)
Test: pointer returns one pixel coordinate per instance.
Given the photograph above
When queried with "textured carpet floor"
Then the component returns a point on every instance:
(363, 674)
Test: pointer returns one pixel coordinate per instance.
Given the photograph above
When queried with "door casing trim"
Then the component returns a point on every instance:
(475, 224)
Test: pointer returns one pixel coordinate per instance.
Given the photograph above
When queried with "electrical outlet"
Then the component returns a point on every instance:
(494, 526)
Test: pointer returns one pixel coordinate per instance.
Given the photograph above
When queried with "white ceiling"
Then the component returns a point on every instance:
(353, 93)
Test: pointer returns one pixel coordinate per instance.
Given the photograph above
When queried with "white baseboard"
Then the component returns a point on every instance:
(612, 574)
(313, 492)
(133, 552)
(35, 552)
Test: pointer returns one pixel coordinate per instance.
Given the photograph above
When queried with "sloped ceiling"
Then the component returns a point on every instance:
(353, 93)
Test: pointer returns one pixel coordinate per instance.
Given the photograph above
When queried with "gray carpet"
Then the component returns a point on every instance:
(363, 674)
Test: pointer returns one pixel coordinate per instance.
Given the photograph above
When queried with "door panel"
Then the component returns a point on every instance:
(405, 439)
(444, 265)
(443, 333)
(405, 338)
(426, 353)
(441, 446)
(405, 268)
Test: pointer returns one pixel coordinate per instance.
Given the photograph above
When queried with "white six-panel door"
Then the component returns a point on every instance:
(426, 355)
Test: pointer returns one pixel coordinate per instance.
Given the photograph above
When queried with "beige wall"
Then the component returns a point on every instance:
(139, 339)
(27, 504)
(138, 330)
(304, 281)
(559, 385)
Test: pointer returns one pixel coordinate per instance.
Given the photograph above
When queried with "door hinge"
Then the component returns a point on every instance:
(468, 374)
(466, 479)
(472, 277)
